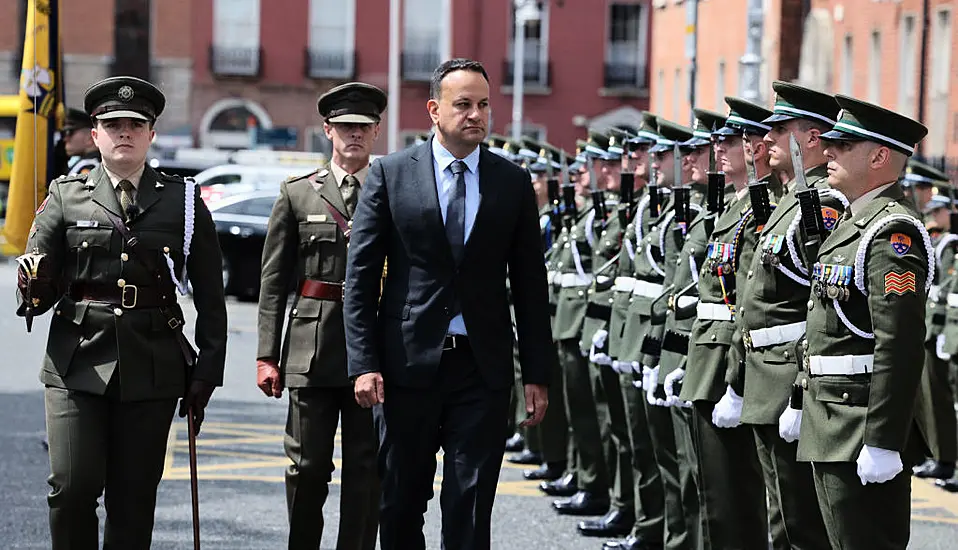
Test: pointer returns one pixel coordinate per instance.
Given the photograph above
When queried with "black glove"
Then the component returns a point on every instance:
(197, 398)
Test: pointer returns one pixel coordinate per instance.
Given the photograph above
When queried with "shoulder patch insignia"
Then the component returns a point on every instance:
(900, 243)
(42, 205)
(899, 283)
(829, 217)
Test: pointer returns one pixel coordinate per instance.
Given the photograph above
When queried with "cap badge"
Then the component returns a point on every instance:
(125, 93)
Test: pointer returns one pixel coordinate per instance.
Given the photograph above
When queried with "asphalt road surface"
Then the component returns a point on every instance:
(241, 464)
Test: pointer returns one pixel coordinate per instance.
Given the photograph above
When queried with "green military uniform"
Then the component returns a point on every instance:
(114, 368)
(771, 317)
(732, 489)
(648, 495)
(934, 410)
(865, 335)
(610, 410)
(575, 279)
(306, 242)
(652, 254)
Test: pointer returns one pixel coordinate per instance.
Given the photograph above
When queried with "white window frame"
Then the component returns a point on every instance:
(720, 85)
(676, 86)
(537, 132)
(938, 113)
(660, 92)
(412, 44)
(316, 68)
(848, 65)
(908, 65)
(642, 55)
(229, 42)
(874, 66)
(542, 78)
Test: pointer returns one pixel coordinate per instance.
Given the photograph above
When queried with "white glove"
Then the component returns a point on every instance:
(599, 358)
(877, 465)
(637, 369)
(650, 388)
(637, 384)
(790, 424)
(646, 373)
(598, 339)
(728, 411)
(675, 376)
(940, 348)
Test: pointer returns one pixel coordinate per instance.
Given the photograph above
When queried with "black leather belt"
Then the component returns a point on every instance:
(598, 311)
(455, 341)
(676, 342)
(128, 296)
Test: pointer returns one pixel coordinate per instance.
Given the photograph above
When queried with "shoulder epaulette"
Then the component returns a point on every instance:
(67, 179)
(319, 173)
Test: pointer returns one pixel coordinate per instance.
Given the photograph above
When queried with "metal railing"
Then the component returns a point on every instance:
(625, 75)
(235, 61)
(535, 72)
(330, 63)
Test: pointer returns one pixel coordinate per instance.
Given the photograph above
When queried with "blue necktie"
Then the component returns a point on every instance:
(456, 212)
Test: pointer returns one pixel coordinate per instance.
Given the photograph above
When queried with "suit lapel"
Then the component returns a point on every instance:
(429, 196)
(329, 190)
(487, 193)
(146, 194)
(103, 192)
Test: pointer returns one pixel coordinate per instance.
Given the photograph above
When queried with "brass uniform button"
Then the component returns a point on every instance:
(166, 249)
(805, 383)
(811, 305)
(845, 396)
(118, 312)
(124, 257)
(121, 283)
(84, 244)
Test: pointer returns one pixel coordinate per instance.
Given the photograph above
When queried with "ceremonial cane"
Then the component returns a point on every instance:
(194, 484)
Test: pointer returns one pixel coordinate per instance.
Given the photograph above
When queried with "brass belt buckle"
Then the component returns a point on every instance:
(124, 300)
(747, 340)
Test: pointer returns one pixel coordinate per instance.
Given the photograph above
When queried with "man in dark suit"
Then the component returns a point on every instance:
(433, 354)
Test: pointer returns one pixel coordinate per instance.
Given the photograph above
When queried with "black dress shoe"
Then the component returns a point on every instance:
(582, 503)
(526, 457)
(547, 472)
(934, 469)
(950, 485)
(632, 543)
(617, 523)
(515, 443)
(565, 486)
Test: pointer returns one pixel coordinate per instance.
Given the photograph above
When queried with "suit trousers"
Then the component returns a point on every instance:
(551, 436)
(790, 483)
(580, 408)
(314, 413)
(464, 418)
(874, 516)
(614, 432)
(935, 409)
(732, 489)
(99, 444)
(647, 481)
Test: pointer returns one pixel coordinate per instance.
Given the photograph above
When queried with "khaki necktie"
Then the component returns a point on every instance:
(126, 198)
(350, 193)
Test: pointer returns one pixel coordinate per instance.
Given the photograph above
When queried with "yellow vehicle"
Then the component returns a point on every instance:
(9, 106)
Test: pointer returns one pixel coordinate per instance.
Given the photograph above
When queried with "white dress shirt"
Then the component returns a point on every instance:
(445, 180)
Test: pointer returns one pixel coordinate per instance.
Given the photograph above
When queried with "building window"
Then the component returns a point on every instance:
(132, 39)
(907, 66)
(938, 111)
(535, 132)
(332, 32)
(848, 68)
(720, 87)
(535, 61)
(874, 68)
(626, 52)
(235, 50)
(422, 33)
(676, 86)
(660, 92)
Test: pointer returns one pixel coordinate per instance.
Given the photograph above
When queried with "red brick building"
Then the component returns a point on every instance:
(872, 49)
(722, 35)
(585, 63)
(106, 37)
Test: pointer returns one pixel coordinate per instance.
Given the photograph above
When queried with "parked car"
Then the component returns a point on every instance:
(227, 180)
(241, 222)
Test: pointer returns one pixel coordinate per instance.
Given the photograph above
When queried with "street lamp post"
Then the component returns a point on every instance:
(525, 10)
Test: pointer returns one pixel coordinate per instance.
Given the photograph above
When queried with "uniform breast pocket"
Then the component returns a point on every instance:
(88, 245)
(318, 249)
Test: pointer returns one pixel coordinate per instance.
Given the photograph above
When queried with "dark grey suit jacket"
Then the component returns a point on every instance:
(398, 220)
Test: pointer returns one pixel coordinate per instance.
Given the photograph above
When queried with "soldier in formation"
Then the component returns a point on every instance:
(726, 298)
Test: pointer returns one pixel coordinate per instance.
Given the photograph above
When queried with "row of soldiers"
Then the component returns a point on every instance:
(739, 313)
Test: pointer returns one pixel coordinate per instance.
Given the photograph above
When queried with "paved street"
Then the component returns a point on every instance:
(241, 464)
